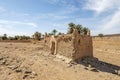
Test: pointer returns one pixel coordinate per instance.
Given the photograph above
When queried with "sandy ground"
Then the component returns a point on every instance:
(27, 61)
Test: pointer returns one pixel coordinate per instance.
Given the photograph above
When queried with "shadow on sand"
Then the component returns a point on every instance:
(96, 65)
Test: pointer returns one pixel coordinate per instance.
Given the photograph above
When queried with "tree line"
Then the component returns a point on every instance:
(81, 29)
(17, 37)
(37, 35)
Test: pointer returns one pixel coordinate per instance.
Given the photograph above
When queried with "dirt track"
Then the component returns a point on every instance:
(27, 61)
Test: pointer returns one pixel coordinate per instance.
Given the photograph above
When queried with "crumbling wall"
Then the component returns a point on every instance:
(82, 46)
(65, 46)
(73, 46)
(46, 42)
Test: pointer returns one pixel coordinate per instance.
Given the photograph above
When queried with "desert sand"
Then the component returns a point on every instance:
(28, 61)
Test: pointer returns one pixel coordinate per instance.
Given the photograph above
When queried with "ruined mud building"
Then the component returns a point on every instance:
(72, 46)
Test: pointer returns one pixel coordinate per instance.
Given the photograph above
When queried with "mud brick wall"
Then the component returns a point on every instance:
(79, 46)
(72, 46)
(82, 46)
(47, 41)
(65, 48)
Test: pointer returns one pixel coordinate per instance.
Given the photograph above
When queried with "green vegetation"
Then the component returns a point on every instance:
(71, 27)
(20, 37)
(85, 30)
(60, 33)
(100, 35)
(54, 31)
(37, 36)
(4, 37)
(80, 28)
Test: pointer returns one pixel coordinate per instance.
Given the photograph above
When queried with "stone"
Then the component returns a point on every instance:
(1, 58)
(9, 73)
(94, 70)
(13, 67)
(18, 70)
(86, 68)
(89, 66)
(118, 72)
(28, 71)
(4, 61)
(32, 76)
(18, 60)
(69, 65)
(25, 76)
(34, 73)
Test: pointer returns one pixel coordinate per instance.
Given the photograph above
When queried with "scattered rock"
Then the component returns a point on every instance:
(25, 76)
(28, 71)
(69, 65)
(18, 70)
(118, 72)
(34, 73)
(18, 60)
(32, 76)
(94, 70)
(13, 67)
(4, 61)
(89, 66)
(86, 68)
(9, 73)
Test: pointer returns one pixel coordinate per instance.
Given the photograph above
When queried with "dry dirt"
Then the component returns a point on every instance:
(27, 61)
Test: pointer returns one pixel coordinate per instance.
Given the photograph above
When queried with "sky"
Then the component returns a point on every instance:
(25, 17)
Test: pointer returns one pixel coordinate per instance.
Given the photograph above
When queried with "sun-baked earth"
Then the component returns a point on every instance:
(27, 61)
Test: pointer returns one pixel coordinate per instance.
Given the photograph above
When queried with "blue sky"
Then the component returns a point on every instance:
(24, 17)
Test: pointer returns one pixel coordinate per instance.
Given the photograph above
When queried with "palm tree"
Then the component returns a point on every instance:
(79, 28)
(37, 36)
(59, 33)
(71, 27)
(100, 35)
(85, 30)
(4, 37)
(54, 31)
